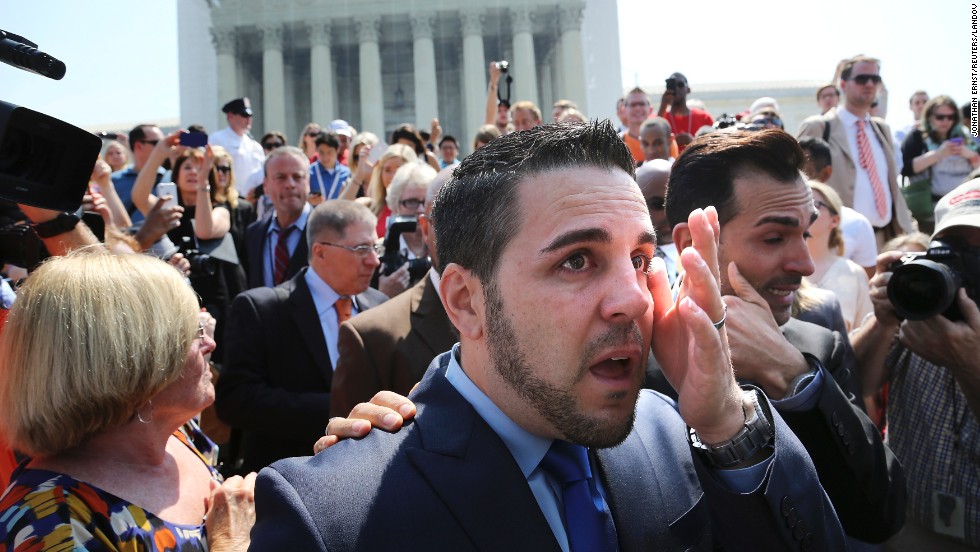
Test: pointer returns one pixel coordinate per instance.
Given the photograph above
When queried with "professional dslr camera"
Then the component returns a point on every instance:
(393, 259)
(925, 284)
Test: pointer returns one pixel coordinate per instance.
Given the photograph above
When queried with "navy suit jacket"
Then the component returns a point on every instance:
(254, 260)
(446, 481)
(276, 380)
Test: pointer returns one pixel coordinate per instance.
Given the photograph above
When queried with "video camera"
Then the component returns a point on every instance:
(393, 259)
(925, 284)
(504, 67)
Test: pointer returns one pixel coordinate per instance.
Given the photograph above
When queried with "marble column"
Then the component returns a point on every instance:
(523, 69)
(572, 62)
(273, 79)
(474, 75)
(321, 74)
(225, 43)
(372, 93)
(424, 56)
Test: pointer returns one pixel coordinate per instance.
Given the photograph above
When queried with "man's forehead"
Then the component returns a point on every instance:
(764, 198)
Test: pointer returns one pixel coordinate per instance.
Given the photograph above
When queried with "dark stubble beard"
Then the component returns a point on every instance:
(557, 404)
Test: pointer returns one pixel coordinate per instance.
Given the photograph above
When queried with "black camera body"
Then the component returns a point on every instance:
(44, 162)
(925, 284)
(393, 259)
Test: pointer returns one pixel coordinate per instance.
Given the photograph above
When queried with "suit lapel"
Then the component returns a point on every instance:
(300, 256)
(472, 471)
(838, 135)
(303, 312)
(429, 319)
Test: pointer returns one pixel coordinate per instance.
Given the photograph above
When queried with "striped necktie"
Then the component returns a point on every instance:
(282, 256)
(868, 164)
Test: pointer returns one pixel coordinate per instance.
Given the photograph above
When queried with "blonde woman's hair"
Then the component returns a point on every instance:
(376, 189)
(91, 337)
(409, 175)
(362, 139)
(230, 194)
(836, 238)
(301, 143)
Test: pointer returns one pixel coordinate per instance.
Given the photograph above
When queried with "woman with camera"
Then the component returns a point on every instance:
(103, 367)
(217, 282)
(406, 198)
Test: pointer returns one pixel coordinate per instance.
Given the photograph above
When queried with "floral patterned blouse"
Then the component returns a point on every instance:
(44, 510)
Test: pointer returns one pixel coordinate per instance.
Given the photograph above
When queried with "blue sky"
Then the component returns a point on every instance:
(122, 54)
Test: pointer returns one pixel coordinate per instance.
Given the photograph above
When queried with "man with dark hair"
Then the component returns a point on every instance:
(448, 151)
(865, 172)
(655, 139)
(142, 139)
(282, 342)
(859, 236)
(548, 275)
(327, 175)
(246, 153)
(684, 121)
(764, 210)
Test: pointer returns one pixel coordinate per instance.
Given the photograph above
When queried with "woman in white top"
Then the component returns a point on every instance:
(832, 271)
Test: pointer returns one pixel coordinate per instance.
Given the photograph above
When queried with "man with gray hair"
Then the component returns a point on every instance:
(282, 341)
(275, 246)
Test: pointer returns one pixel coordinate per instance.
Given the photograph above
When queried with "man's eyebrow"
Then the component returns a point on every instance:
(593, 235)
(647, 237)
(781, 220)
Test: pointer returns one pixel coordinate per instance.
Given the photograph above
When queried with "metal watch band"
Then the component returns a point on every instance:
(756, 435)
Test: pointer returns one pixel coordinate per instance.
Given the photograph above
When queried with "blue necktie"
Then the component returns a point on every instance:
(588, 523)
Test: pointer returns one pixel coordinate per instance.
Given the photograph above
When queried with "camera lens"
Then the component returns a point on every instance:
(922, 289)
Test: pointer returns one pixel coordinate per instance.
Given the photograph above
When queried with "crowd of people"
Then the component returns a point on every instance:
(645, 333)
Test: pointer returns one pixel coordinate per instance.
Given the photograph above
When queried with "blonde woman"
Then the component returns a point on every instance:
(381, 176)
(832, 272)
(307, 140)
(103, 367)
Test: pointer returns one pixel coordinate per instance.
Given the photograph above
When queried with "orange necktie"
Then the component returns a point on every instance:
(343, 306)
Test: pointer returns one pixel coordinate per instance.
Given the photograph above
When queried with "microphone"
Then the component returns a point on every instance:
(22, 53)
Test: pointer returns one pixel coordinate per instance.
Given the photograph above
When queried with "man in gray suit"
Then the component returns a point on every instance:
(865, 173)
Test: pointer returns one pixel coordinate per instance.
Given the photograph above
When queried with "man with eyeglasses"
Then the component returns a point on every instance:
(246, 153)
(637, 110)
(142, 139)
(282, 341)
(863, 155)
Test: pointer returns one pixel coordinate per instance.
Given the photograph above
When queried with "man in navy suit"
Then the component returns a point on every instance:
(282, 342)
(287, 183)
(549, 276)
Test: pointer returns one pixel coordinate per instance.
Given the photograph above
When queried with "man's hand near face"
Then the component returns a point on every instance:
(759, 351)
(693, 354)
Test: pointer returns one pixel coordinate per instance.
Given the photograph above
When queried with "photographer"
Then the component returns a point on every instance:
(932, 369)
(401, 267)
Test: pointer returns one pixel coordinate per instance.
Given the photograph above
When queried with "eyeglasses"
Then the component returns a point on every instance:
(774, 121)
(151, 142)
(223, 169)
(656, 203)
(272, 145)
(864, 79)
(359, 250)
(638, 104)
(313, 134)
(944, 116)
(412, 203)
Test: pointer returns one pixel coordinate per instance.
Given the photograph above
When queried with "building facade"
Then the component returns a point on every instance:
(381, 63)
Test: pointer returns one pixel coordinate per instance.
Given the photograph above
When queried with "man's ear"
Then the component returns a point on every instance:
(825, 173)
(462, 297)
(682, 236)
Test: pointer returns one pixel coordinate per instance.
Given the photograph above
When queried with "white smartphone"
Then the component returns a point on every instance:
(170, 189)
(377, 151)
